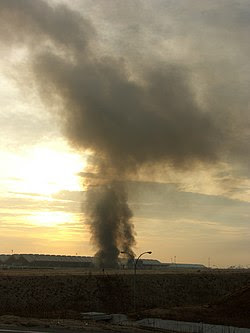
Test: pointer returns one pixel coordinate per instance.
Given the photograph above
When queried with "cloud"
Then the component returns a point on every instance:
(22, 203)
(166, 202)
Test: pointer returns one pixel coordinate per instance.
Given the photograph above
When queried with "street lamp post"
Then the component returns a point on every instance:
(135, 265)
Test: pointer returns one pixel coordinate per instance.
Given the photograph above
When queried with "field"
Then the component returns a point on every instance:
(217, 296)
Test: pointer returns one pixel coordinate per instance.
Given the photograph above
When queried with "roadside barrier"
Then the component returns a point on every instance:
(189, 327)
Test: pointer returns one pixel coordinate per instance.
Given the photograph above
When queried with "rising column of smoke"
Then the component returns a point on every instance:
(127, 123)
(110, 222)
(109, 218)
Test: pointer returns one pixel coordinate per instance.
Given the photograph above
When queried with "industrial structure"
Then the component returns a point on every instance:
(43, 260)
(63, 261)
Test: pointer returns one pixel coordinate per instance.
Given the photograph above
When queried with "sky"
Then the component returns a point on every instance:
(160, 91)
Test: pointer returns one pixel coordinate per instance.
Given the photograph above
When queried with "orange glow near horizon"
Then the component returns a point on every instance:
(50, 219)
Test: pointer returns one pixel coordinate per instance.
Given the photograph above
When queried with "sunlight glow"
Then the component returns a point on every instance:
(50, 219)
(46, 171)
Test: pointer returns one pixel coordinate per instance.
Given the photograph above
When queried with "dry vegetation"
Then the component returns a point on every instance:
(176, 295)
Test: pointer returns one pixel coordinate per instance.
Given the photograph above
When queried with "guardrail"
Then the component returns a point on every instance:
(189, 327)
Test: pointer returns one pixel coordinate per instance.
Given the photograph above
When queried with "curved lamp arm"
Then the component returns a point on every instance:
(147, 252)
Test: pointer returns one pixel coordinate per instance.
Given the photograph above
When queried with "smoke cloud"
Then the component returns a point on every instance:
(110, 223)
(126, 119)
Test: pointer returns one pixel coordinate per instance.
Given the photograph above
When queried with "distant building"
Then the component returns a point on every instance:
(43, 260)
(186, 266)
(157, 265)
(3, 258)
(151, 264)
(54, 261)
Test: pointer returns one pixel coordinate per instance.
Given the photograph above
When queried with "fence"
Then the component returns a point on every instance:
(189, 327)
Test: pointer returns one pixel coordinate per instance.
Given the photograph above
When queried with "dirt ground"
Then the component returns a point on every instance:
(220, 297)
(64, 325)
(232, 309)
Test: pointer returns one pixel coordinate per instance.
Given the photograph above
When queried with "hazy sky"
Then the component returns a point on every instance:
(175, 71)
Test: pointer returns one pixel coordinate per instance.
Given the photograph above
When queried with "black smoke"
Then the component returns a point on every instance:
(125, 120)
(110, 224)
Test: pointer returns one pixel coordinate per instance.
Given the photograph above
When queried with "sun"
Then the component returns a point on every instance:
(46, 170)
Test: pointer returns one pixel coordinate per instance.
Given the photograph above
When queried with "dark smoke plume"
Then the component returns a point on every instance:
(126, 122)
(110, 222)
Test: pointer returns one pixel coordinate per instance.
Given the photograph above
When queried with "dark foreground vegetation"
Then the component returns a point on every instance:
(218, 297)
